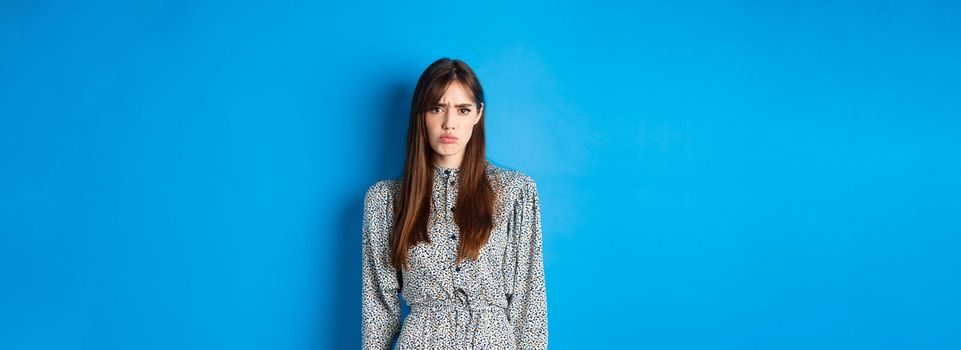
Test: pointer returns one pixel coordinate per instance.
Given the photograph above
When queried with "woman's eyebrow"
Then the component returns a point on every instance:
(458, 105)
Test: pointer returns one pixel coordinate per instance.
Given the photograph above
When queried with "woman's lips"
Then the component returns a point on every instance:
(448, 139)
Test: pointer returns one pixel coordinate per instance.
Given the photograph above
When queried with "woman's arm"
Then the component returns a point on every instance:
(528, 301)
(380, 301)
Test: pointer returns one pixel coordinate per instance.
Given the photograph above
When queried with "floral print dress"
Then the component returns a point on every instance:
(498, 301)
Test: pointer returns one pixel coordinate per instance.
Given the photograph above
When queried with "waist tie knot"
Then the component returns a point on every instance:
(462, 311)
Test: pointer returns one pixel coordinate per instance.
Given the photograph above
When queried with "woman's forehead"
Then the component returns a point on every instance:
(456, 93)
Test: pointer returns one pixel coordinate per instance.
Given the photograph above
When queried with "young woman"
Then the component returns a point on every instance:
(456, 235)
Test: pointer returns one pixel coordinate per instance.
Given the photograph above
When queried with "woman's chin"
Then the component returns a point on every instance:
(446, 149)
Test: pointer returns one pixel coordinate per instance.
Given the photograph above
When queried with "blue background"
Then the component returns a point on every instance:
(713, 175)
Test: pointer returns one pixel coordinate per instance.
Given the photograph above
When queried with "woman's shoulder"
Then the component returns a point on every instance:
(502, 177)
(382, 190)
(507, 178)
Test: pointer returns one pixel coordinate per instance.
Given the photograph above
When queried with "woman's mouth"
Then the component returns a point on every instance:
(448, 139)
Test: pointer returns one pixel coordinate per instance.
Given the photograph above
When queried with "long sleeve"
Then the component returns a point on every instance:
(528, 302)
(380, 301)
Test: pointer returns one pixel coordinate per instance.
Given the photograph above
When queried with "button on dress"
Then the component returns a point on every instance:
(496, 302)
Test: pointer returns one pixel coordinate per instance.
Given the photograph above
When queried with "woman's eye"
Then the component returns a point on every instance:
(465, 110)
(438, 109)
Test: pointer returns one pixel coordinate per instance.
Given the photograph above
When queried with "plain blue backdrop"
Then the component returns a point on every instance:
(713, 175)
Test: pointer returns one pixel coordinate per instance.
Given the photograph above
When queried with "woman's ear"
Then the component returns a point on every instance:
(480, 112)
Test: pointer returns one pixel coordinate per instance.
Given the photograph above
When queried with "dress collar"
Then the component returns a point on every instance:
(442, 169)
(438, 169)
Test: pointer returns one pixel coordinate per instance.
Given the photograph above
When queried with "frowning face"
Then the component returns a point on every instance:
(450, 124)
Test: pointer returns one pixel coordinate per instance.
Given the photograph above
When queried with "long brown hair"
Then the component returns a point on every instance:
(473, 212)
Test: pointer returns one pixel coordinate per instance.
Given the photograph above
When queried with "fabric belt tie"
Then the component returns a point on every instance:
(462, 312)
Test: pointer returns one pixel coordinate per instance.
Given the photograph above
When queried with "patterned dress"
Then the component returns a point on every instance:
(496, 302)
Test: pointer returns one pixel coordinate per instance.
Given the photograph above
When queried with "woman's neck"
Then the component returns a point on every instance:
(452, 161)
